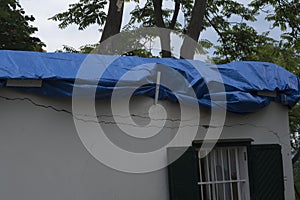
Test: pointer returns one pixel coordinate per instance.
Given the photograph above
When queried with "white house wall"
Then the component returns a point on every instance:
(42, 157)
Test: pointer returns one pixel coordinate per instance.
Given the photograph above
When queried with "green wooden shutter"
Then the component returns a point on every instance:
(183, 174)
(266, 172)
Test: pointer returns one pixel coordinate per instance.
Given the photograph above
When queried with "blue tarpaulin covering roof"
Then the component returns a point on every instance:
(243, 81)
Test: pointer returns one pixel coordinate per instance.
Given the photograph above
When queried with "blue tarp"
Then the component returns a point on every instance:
(242, 80)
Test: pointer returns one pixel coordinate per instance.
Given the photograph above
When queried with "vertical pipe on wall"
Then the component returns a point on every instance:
(157, 87)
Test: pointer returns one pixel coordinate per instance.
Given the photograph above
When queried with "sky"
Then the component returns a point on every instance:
(49, 32)
(55, 38)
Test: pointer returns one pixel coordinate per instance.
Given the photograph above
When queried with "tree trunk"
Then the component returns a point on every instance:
(164, 36)
(188, 47)
(175, 15)
(113, 22)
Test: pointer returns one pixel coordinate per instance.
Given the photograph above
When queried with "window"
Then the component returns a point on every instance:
(223, 174)
(233, 170)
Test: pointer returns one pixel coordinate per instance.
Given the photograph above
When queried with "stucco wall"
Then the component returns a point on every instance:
(42, 157)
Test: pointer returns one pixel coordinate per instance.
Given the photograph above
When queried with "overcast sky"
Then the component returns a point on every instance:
(54, 37)
(49, 32)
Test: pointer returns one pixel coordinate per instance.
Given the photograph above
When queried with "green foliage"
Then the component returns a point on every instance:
(206, 43)
(126, 41)
(240, 43)
(144, 16)
(236, 38)
(228, 18)
(83, 14)
(15, 31)
(85, 49)
(284, 15)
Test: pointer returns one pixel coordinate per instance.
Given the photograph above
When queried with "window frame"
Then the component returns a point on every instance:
(183, 173)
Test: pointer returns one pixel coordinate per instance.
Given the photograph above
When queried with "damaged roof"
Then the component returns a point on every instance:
(247, 86)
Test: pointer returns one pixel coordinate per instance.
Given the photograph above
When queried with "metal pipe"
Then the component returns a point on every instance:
(157, 87)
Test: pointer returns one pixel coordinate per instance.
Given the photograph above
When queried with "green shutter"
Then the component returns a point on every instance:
(183, 174)
(266, 172)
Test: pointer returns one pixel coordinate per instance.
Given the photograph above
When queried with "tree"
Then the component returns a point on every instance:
(15, 31)
(87, 12)
(197, 16)
(200, 15)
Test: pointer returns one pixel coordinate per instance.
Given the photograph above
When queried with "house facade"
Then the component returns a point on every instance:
(44, 157)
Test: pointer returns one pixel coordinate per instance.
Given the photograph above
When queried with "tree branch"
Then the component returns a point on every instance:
(159, 21)
(175, 14)
(195, 27)
(220, 35)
